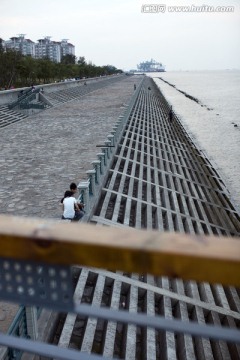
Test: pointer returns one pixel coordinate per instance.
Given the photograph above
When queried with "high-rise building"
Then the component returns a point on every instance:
(67, 48)
(19, 43)
(44, 48)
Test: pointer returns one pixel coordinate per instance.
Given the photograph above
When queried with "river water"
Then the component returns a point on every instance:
(211, 116)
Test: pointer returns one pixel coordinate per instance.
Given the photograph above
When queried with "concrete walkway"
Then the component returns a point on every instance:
(41, 155)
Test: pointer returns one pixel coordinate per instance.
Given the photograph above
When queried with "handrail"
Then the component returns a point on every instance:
(24, 100)
(40, 246)
(22, 97)
(201, 258)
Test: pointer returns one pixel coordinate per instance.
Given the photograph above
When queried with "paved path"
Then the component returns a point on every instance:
(41, 155)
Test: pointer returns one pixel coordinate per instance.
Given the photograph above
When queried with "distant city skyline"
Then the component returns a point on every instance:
(182, 35)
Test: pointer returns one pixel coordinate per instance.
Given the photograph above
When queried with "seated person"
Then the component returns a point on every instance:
(71, 210)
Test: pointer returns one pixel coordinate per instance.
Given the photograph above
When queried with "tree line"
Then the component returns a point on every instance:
(17, 70)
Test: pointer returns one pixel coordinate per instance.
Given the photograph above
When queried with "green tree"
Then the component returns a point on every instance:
(44, 70)
(1, 45)
(19, 70)
(109, 69)
(9, 61)
(27, 70)
(81, 60)
(68, 59)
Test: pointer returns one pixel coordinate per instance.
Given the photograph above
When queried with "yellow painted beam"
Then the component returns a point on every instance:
(201, 258)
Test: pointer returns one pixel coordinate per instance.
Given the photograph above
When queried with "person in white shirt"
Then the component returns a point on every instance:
(73, 188)
(71, 210)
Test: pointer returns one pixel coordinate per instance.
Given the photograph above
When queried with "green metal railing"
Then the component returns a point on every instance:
(24, 101)
(23, 95)
(17, 328)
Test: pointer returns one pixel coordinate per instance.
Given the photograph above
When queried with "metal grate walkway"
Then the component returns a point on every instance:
(160, 180)
(8, 117)
(139, 294)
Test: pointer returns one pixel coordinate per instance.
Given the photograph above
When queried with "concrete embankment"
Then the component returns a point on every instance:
(8, 96)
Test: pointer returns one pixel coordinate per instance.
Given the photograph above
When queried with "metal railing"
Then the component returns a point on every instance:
(24, 95)
(37, 255)
(24, 101)
(17, 328)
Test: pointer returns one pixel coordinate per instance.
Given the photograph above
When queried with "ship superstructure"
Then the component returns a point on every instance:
(150, 66)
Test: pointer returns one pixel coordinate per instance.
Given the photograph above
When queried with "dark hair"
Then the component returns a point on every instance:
(73, 186)
(67, 193)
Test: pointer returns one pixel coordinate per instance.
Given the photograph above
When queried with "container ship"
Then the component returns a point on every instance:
(149, 66)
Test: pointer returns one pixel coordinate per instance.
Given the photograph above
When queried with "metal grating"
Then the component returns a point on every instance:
(160, 180)
(145, 294)
(8, 117)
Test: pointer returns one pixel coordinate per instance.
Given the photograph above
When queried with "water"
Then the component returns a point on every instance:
(214, 121)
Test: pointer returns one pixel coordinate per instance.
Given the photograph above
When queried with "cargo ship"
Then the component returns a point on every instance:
(149, 66)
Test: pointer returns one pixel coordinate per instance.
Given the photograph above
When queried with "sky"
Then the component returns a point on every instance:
(125, 33)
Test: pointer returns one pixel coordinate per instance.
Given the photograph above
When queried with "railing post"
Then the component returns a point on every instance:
(101, 159)
(119, 124)
(92, 187)
(104, 150)
(107, 143)
(96, 165)
(31, 318)
(83, 188)
(115, 132)
(111, 138)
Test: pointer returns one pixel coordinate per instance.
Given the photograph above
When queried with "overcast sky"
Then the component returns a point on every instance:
(121, 34)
